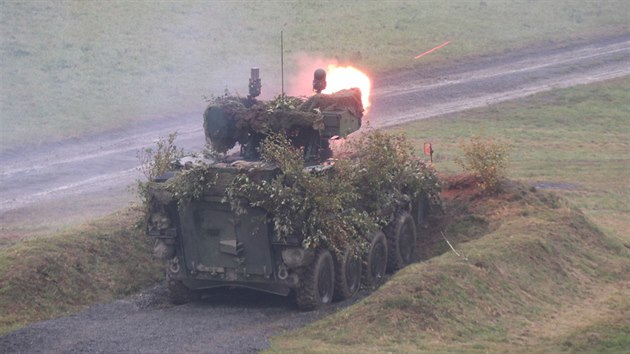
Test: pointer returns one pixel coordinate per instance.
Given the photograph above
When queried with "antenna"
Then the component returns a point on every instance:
(282, 62)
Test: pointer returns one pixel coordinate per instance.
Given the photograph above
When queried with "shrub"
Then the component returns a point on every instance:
(487, 160)
(156, 161)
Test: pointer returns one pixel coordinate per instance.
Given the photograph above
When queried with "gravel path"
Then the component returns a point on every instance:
(88, 177)
(224, 321)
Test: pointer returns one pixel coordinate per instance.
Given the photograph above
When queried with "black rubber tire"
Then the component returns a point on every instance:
(401, 241)
(348, 268)
(317, 283)
(421, 209)
(375, 261)
(179, 293)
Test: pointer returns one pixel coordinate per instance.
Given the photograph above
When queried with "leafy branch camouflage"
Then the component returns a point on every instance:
(330, 206)
(386, 174)
(334, 206)
(316, 206)
(156, 161)
(191, 184)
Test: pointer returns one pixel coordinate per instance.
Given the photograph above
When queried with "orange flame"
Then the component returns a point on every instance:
(345, 77)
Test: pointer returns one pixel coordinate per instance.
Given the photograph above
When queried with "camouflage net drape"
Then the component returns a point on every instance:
(229, 119)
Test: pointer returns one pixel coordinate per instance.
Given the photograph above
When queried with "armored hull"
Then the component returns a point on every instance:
(208, 239)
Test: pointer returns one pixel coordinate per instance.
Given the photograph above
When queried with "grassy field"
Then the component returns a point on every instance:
(577, 140)
(75, 67)
(539, 275)
(97, 262)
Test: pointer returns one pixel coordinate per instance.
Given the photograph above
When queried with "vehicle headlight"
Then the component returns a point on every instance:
(159, 221)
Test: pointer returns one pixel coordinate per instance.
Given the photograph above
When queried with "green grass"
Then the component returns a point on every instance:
(73, 68)
(601, 339)
(56, 216)
(52, 276)
(579, 137)
(540, 275)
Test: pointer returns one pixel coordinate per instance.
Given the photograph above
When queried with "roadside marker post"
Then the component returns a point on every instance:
(428, 151)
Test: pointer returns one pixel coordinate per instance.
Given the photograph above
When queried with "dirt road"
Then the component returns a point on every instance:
(75, 180)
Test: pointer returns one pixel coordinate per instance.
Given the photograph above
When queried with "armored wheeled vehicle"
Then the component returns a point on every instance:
(206, 242)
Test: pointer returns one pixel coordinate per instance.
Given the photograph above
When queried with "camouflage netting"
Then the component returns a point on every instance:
(229, 120)
(349, 99)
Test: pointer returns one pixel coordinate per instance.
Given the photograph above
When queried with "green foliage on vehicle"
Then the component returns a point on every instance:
(334, 206)
(156, 161)
(317, 206)
(191, 184)
(387, 174)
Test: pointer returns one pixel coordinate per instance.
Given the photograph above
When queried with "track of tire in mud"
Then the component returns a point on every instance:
(100, 167)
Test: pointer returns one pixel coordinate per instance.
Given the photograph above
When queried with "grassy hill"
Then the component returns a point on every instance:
(544, 272)
(528, 263)
(48, 277)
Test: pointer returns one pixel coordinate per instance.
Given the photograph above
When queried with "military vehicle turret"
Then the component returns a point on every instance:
(205, 243)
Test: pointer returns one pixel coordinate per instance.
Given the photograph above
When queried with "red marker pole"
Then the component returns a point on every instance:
(428, 150)
(432, 50)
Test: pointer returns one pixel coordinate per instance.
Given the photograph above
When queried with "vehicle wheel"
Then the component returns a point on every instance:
(421, 209)
(180, 293)
(347, 274)
(375, 261)
(401, 241)
(317, 283)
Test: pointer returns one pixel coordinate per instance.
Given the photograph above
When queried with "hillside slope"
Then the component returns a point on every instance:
(533, 274)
